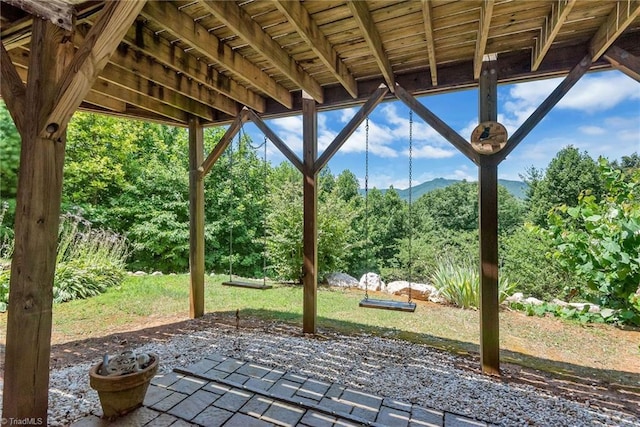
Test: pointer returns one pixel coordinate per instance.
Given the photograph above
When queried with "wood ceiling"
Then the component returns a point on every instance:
(211, 58)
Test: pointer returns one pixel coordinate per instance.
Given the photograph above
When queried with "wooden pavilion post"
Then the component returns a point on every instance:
(310, 214)
(196, 218)
(488, 218)
(28, 342)
(58, 81)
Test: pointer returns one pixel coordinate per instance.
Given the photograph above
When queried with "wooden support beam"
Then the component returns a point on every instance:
(12, 89)
(437, 124)
(624, 61)
(58, 12)
(428, 34)
(189, 68)
(202, 99)
(488, 229)
(222, 145)
(29, 319)
(89, 61)
(275, 139)
(362, 16)
(310, 214)
(311, 33)
(554, 97)
(623, 15)
(20, 57)
(196, 219)
(351, 127)
(181, 25)
(553, 22)
(486, 11)
(241, 23)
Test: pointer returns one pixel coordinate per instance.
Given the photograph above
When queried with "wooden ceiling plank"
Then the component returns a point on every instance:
(624, 61)
(12, 89)
(90, 59)
(560, 10)
(250, 31)
(623, 14)
(486, 12)
(311, 33)
(431, 48)
(361, 14)
(182, 26)
(154, 71)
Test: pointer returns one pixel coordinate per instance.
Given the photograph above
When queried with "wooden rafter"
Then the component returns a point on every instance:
(89, 60)
(559, 11)
(486, 11)
(59, 12)
(196, 35)
(190, 68)
(250, 31)
(624, 61)
(192, 93)
(623, 14)
(428, 34)
(12, 89)
(311, 33)
(362, 15)
(140, 99)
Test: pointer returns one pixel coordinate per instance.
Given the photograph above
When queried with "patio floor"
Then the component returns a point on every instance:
(221, 391)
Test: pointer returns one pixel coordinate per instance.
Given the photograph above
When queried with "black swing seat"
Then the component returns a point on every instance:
(384, 304)
(245, 284)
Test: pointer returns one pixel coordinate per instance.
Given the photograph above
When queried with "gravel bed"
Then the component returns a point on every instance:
(385, 367)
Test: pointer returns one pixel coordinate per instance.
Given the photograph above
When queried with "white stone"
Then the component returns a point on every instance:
(559, 302)
(532, 301)
(341, 280)
(372, 282)
(139, 273)
(419, 291)
(157, 273)
(593, 308)
(517, 297)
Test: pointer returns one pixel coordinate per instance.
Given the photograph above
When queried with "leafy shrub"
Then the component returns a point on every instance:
(583, 315)
(88, 261)
(599, 241)
(526, 261)
(459, 283)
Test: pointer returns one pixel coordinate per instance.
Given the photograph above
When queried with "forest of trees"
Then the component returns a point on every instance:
(132, 177)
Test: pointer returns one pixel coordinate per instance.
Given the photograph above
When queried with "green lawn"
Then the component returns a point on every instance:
(548, 343)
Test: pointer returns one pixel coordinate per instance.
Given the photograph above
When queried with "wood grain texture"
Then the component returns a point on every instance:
(196, 219)
(624, 61)
(12, 89)
(623, 14)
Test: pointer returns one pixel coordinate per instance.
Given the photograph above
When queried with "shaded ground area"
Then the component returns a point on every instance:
(603, 389)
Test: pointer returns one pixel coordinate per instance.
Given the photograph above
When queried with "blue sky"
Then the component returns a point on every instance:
(600, 115)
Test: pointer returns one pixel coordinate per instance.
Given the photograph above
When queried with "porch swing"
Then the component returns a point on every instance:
(248, 283)
(386, 304)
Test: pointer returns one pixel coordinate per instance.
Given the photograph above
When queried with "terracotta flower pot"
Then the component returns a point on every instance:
(121, 394)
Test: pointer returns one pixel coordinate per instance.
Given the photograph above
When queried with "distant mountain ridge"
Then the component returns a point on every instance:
(516, 188)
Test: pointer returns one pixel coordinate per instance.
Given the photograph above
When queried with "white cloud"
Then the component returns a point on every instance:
(592, 130)
(594, 94)
(429, 152)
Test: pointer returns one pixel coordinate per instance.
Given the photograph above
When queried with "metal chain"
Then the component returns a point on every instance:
(265, 171)
(366, 208)
(410, 200)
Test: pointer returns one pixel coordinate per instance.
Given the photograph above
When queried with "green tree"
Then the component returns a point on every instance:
(569, 173)
(9, 163)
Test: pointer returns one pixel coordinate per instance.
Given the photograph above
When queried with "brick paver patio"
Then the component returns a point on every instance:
(221, 391)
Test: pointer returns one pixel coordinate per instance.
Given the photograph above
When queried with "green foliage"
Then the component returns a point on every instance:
(459, 283)
(599, 241)
(569, 174)
(526, 262)
(88, 261)
(582, 315)
(9, 161)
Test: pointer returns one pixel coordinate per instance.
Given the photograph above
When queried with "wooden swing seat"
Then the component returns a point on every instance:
(388, 305)
(244, 284)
